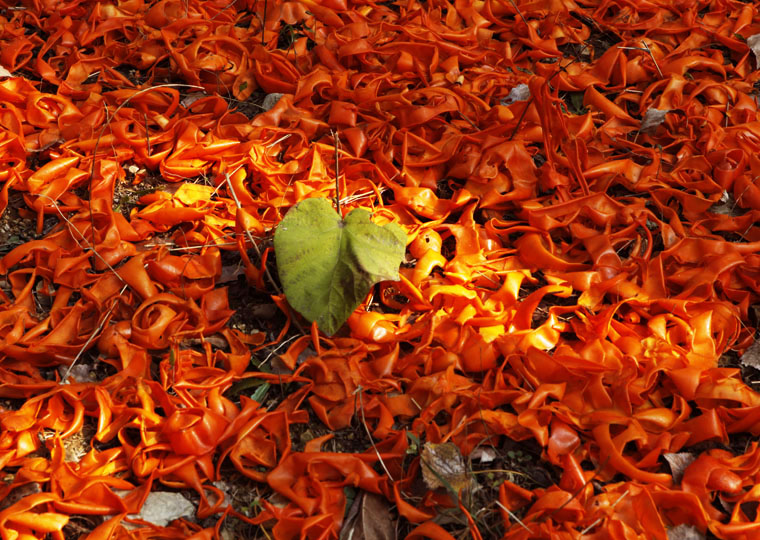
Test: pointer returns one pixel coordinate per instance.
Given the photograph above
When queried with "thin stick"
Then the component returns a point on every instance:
(530, 100)
(578, 491)
(222, 10)
(501, 471)
(659, 163)
(71, 227)
(522, 117)
(190, 248)
(726, 123)
(261, 527)
(336, 142)
(647, 49)
(270, 145)
(739, 198)
(258, 253)
(92, 336)
(139, 92)
(182, 274)
(469, 121)
(275, 349)
(359, 391)
(517, 519)
(48, 145)
(517, 9)
(594, 524)
(103, 130)
(357, 196)
(264, 25)
(598, 520)
(250, 236)
(147, 134)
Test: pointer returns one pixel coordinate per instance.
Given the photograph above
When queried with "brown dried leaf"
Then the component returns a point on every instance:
(271, 100)
(443, 467)
(652, 120)
(751, 356)
(369, 519)
(230, 272)
(263, 311)
(753, 42)
(685, 532)
(678, 463)
(484, 454)
(18, 493)
(521, 92)
(726, 206)
(191, 98)
(216, 340)
(163, 507)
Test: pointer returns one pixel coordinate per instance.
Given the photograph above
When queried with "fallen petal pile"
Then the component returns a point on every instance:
(579, 182)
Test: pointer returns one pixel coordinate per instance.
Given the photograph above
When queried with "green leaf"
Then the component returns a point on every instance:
(350, 493)
(576, 102)
(413, 438)
(242, 385)
(414, 443)
(327, 265)
(260, 393)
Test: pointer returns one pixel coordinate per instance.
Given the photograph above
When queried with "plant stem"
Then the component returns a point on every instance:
(336, 142)
(264, 25)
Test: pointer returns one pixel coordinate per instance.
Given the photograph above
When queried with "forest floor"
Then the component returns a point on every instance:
(569, 351)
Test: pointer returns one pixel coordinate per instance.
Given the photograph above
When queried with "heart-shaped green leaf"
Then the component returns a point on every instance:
(327, 265)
